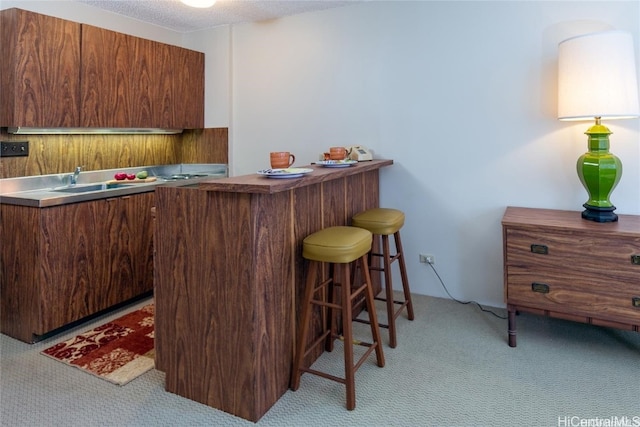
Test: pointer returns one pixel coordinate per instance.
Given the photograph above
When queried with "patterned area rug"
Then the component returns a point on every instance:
(117, 351)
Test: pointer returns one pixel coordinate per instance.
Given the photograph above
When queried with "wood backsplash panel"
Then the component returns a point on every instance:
(205, 146)
(51, 154)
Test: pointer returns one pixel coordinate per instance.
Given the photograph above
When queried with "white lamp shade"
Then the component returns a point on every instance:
(597, 77)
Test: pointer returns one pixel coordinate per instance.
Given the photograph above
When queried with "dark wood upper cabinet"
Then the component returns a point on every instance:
(181, 73)
(132, 82)
(65, 74)
(39, 70)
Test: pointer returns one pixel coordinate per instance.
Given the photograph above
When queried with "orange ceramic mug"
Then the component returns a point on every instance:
(337, 153)
(281, 159)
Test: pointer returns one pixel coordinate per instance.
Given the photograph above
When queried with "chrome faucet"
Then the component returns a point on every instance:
(73, 179)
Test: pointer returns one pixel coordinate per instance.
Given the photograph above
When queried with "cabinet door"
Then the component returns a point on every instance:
(129, 245)
(40, 70)
(94, 255)
(180, 73)
(73, 268)
(107, 75)
(133, 82)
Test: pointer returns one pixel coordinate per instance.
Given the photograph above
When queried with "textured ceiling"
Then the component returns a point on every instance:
(176, 16)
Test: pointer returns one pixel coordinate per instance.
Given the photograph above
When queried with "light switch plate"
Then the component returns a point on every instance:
(14, 148)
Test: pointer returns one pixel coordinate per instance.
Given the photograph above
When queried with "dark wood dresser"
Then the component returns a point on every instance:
(558, 264)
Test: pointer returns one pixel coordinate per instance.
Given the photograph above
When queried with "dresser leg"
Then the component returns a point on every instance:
(512, 326)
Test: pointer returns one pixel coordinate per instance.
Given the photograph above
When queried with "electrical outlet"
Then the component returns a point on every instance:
(14, 148)
(427, 259)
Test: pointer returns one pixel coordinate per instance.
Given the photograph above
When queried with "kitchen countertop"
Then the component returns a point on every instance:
(254, 183)
(44, 190)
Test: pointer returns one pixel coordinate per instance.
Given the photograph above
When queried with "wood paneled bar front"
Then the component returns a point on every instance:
(229, 276)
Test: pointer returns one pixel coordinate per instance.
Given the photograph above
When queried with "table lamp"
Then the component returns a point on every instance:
(597, 80)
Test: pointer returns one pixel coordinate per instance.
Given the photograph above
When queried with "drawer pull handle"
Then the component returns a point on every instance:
(635, 259)
(540, 287)
(635, 301)
(540, 249)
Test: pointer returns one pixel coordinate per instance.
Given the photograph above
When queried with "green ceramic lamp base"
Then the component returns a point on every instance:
(596, 214)
(599, 171)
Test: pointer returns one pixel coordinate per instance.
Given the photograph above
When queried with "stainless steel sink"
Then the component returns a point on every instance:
(88, 188)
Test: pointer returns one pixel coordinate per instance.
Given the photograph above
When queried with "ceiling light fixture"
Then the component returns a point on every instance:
(199, 3)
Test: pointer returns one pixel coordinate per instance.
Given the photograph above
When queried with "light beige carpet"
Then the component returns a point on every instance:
(452, 367)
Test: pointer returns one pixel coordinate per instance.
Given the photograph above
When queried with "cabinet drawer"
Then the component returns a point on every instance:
(601, 284)
(571, 293)
(562, 251)
(585, 276)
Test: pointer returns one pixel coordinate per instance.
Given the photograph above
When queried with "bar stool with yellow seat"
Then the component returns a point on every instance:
(340, 246)
(384, 222)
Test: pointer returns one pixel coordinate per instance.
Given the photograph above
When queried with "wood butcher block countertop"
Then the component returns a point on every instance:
(254, 183)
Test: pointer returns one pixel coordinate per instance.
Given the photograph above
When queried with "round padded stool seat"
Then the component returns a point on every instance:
(383, 221)
(341, 244)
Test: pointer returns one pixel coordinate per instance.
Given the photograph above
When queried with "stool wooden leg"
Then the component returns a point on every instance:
(373, 317)
(332, 298)
(388, 287)
(347, 333)
(403, 275)
(304, 325)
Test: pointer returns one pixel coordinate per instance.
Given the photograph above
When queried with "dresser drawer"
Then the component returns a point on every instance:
(566, 250)
(580, 295)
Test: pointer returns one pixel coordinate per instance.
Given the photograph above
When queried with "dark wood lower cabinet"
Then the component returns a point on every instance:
(230, 274)
(64, 263)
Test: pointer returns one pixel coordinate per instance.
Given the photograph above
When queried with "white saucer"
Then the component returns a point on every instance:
(284, 173)
(337, 163)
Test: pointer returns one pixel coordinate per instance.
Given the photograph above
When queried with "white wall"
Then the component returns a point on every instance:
(461, 95)
(216, 45)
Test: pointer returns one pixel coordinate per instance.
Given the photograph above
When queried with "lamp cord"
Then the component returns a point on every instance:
(486, 310)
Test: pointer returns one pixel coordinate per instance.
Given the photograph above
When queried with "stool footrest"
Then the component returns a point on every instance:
(365, 356)
(357, 291)
(398, 302)
(323, 375)
(341, 380)
(396, 314)
(318, 340)
(394, 301)
(325, 304)
(391, 257)
(366, 322)
(354, 341)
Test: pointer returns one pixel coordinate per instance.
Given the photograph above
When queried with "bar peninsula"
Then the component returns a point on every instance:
(229, 274)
